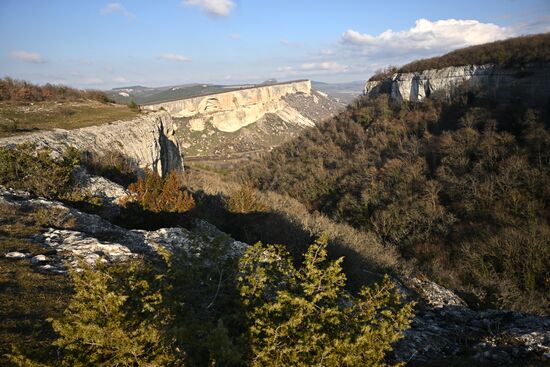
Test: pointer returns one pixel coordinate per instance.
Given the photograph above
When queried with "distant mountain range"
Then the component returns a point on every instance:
(343, 92)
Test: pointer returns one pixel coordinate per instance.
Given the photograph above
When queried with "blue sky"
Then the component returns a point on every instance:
(104, 44)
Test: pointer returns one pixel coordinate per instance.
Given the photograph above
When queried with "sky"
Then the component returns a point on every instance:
(102, 44)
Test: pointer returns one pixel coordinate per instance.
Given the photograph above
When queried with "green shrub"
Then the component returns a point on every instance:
(114, 318)
(304, 317)
(245, 199)
(201, 307)
(25, 167)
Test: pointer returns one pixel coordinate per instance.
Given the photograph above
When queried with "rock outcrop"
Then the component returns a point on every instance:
(231, 111)
(92, 238)
(148, 141)
(445, 329)
(531, 82)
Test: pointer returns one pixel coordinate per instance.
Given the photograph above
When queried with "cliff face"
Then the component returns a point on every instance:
(149, 141)
(231, 111)
(531, 82)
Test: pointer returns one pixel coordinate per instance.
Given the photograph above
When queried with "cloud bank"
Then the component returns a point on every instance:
(426, 37)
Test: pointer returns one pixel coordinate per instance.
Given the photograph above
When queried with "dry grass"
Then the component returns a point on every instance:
(27, 297)
(22, 117)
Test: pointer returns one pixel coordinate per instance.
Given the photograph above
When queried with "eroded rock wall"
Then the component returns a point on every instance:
(531, 82)
(149, 141)
(231, 111)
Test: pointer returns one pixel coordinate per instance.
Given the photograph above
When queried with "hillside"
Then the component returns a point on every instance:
(517, 68)
(513, 52)
(460, 188)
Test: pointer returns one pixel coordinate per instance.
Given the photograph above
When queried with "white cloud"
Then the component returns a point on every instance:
(285, 69)
(234, 36)
(217, 8)
(33, 57)
(326, 65)
(116, 8)
(327, 52)
(120, 79)
(426, 37)
(174, 57)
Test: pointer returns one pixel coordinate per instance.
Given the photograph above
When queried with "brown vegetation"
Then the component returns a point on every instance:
(22, 91)
(279, 218)
(459, 188)
(112, 165)
(161, 194)
(516, 52)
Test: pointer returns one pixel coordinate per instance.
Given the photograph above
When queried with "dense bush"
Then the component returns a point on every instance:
(22, 91)
(25, 167)
(161, 194)
(245, 199)
(304, 317)
(447, 184)
(202, 307)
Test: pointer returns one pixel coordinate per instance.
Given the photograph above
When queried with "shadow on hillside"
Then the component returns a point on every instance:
(266, 227)
(276, 228)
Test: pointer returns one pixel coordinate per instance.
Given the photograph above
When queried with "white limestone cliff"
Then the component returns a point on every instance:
(231, 111)
(148, 141)
(531, 82)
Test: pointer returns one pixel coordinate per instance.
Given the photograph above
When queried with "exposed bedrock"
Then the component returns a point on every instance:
(231, 111)
(148, 141)
(530, 82)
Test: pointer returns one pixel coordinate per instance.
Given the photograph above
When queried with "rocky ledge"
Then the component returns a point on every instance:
(92, 238)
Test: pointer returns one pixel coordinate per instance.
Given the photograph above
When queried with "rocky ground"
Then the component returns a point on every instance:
(92, 238)
(445, 329)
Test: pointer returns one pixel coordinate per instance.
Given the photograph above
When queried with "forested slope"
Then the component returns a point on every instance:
(460, 188)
